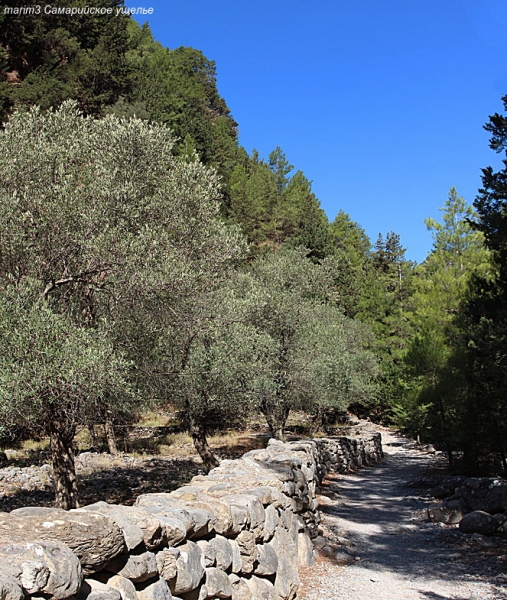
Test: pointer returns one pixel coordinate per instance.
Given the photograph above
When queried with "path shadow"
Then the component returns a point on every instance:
(385, 520)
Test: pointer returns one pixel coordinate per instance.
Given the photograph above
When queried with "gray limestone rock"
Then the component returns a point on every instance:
(267, 561)
(94, 538)
(201, 593)
(256, 511)
(166, 563)
(222, 522)
(240, 588)
(154, 590)
(270, 522)
(132, 533)
(306, 556)
(154, 533)
(209, 553)
(268, 495)
(49, 567)
(190, 569)
(95, 590)
(196, 520)
(10, 588)
(261, 589)
(287, 579)
(217, 583)
(236, 557)
(223, 552)
(123, 585)
(319, 542)
(248, 551)
(136, 567)
(478, 521)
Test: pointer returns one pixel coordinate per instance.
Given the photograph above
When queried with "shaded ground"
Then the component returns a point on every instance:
(119, 480)
(379, 515)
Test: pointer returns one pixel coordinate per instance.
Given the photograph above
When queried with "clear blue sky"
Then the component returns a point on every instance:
(381, 103)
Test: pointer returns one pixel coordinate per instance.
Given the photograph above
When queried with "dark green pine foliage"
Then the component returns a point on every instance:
(351, 247)
(178, 87)
(386, 307)
(253, 199)
(303, 219)
(485, 422)
(433, 402)
(273, 207)
(46, 59)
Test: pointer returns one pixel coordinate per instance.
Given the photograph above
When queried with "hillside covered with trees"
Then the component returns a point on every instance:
(147, 258)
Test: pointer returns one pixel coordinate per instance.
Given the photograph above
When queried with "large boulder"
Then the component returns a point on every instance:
(94, 538)
(132, 533)
(478, 521)
(46, 567)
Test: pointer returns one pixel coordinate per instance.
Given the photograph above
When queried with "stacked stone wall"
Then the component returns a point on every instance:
(239, 532)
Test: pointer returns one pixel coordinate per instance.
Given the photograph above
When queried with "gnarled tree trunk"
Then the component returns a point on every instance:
(64, 469)
(198, 433)
(109, 431)
(276, 417)
(317, 421)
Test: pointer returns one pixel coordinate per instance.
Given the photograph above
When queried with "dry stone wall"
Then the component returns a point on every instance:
(240, 532)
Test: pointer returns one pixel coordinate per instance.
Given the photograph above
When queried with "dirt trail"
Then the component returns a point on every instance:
(382, 520)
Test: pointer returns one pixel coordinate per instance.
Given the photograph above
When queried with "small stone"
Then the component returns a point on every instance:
(156, 590)
(95, 590)
(217, 583)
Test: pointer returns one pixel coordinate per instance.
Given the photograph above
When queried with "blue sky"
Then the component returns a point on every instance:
(381, 103)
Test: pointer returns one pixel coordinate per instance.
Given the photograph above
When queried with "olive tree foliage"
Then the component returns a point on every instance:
(317, 358)
(54, 374)
(211, 357)
(116, 237)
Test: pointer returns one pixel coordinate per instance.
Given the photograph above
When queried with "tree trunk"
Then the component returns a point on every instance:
(317, 421)
(276, 418)
(93, 437)
(109, 431)
(198, 433)
(64, 468)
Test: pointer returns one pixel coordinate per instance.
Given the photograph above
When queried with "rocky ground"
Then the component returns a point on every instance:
(378, 543)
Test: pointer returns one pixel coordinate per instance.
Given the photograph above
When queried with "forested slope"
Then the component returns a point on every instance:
(148, 258)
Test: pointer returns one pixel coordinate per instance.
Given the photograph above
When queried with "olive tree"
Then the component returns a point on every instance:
(119, 240)
(318, 357)
(53, 374)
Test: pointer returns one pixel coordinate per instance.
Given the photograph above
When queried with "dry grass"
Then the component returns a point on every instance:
(35, 445)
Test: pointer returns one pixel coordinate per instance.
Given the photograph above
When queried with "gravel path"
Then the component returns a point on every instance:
(381, 520)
